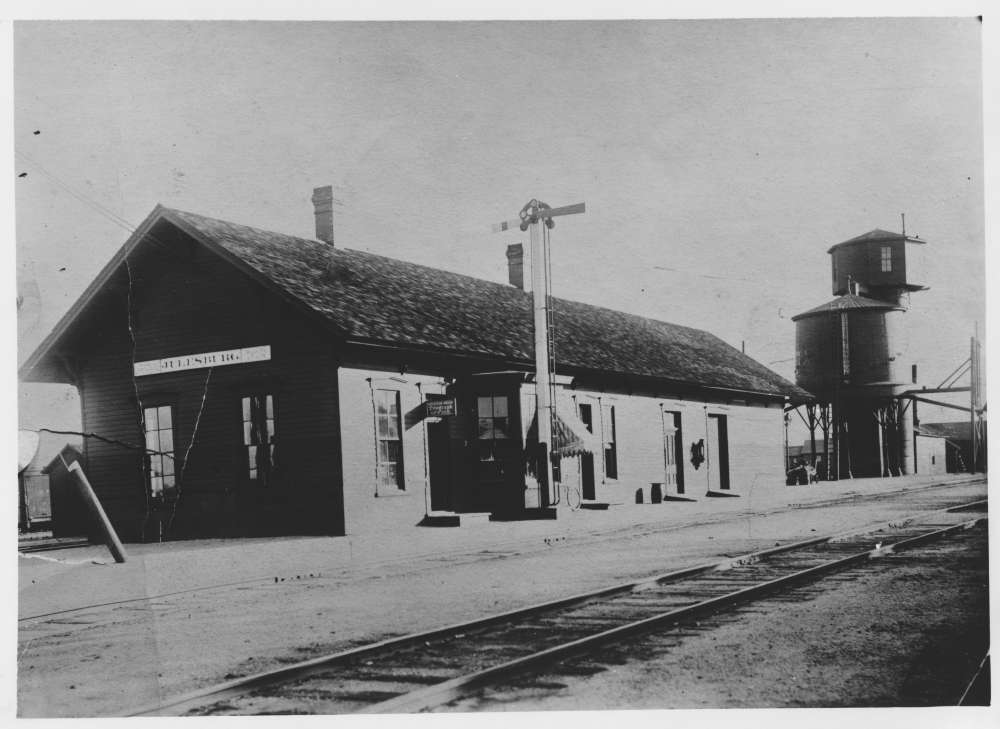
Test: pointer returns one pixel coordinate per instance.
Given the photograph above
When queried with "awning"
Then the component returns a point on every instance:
(27, 447)
(570, 436)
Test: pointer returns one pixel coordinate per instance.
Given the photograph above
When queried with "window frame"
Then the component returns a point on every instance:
(382, 462)
(266, 474)
(490, 440)
(886, 259)
(155, 451)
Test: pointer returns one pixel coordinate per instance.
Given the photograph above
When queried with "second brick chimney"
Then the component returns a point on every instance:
(515, 265)
(323, 206)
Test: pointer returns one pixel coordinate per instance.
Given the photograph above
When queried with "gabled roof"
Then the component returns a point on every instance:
(368, 298)
(36, 450)
(875, 235)
(847, 302)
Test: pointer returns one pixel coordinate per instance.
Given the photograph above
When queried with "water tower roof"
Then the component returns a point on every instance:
(845, 303)
(876, 235)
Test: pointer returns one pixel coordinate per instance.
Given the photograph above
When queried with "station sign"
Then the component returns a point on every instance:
(202, 360)
(441, 408)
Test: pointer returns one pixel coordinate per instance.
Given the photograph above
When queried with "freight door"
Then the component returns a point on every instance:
(439, 465)
(676, 446)
(670, 460)
(500, 486)
(718, 453)
(587, 490)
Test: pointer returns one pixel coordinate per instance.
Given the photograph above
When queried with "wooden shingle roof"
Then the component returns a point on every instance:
(845, 303)
(874, 236)
(373, 298)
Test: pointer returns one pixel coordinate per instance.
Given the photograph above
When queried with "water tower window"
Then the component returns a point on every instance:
(886, 259)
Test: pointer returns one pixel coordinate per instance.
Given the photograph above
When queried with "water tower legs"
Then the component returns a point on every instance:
(909, 465)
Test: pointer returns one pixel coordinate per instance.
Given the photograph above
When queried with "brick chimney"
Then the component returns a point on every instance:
(323, 208)
(515, 265)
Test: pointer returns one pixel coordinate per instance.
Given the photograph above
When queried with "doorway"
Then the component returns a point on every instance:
(673, 452)
(718, 453)
(439, 465)
(587, 490)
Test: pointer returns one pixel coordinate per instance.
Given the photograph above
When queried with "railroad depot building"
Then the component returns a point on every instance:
(237, 381)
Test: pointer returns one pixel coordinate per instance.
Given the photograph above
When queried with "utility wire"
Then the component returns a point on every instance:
(103, 439)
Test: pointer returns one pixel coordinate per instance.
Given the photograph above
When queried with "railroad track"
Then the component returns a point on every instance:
(429, 669)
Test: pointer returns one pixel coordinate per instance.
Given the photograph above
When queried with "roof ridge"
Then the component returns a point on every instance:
(503, 286)
(370, 297)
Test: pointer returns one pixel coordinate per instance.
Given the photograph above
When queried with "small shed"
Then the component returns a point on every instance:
(69, 513)
(41, 490)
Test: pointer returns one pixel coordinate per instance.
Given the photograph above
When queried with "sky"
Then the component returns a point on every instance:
(718, 159)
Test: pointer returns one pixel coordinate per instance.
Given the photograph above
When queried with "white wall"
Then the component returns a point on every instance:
(756, 443)
(931, 456)
(363, 510)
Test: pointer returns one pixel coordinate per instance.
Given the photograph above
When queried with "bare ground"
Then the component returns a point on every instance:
(110, 659)
(910, 630)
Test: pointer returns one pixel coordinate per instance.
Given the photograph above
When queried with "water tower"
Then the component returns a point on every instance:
(851, 353)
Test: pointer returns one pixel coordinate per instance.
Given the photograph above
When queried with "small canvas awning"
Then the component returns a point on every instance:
(27, 447)
(570, 436)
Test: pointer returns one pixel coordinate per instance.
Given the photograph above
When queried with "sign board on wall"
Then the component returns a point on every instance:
(203, 359)
(440, 408)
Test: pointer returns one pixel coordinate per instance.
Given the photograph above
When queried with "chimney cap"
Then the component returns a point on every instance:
(322, 194)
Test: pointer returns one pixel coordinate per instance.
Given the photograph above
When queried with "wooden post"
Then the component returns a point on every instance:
(97, 512)
(811, 410)
(973, 385)
(543, 388)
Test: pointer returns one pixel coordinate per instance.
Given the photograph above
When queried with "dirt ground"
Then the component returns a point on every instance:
(910, 630)
(106, 660)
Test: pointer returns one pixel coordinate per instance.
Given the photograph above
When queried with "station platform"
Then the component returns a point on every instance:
(64, 579)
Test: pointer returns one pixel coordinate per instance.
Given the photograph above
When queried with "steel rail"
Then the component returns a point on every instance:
(304, 669)
(446, 691)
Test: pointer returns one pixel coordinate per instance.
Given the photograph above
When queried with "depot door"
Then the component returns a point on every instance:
(673, 456)
(587, 490)
(718, 453)
(439, 465)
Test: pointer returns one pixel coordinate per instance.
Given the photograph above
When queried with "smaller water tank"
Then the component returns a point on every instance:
(882, 264)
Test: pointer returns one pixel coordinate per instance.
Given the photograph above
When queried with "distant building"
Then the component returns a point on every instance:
(36, 452)
(803, 453)
(955, 442)
(282, 385)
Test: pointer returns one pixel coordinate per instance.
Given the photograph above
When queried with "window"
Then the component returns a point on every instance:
(886, 259)
(610, 443)
(390, 443)
(259, 438)
(494, 425)
(159, 425)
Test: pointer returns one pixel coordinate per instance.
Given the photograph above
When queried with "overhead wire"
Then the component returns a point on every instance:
(164, 246)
